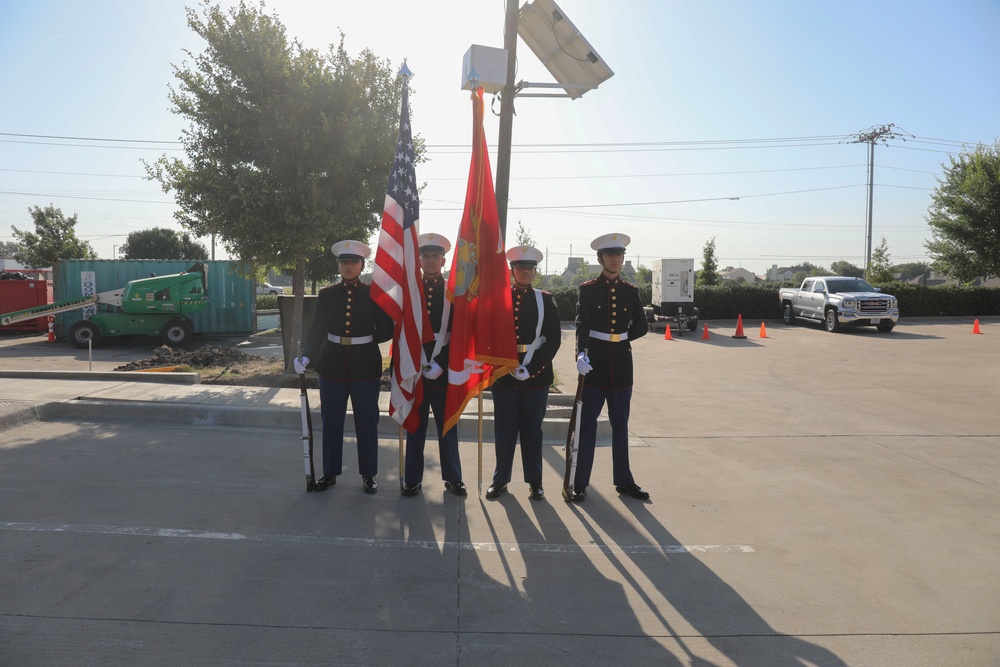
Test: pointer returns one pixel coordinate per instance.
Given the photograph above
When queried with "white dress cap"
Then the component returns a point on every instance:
(611, 242)
(524, 254)
(350, 250)
(433, 242)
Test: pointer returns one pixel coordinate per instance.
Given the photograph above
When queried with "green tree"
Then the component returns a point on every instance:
(709, 274)
(880, 269)
(523, 236)
(54, 238)
(911, 270)
(643, 275)
(845, 268)
(162, 243)
(8, 248)
(582, 275)
(964, 215)
(556, 282)
(288, 150)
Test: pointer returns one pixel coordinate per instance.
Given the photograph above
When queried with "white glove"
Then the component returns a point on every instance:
(300, 364)
(583, 364)
(521, 373)
(470, 368)
(432, 371)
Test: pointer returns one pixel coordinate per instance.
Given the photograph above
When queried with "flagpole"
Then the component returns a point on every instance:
(480, 396)
(402, 479)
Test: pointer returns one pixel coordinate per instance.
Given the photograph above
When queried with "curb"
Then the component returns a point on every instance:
(554, 429)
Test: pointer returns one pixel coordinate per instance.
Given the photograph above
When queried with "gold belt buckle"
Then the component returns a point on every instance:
(344, 340)
(614, 338)
(522, 348)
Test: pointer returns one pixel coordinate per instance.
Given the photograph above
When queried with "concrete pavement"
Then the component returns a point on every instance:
(816, 499)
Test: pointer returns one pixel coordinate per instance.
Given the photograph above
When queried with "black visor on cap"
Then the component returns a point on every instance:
(428, 249)
(347, 258)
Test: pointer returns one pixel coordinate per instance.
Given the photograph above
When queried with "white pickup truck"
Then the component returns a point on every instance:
(839, 301)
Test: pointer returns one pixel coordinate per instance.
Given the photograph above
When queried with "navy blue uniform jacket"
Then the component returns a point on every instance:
(347, 310)
(610, 307)
(525, 324)
(434, 298)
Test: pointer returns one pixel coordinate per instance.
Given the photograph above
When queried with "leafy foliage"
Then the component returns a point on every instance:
(845, 268)
(523, 236)
(582, 275)
(54, 238)
(760, 300)
(555, 282)
(643, 275)
(8, 248)
(964, 215)
(288, 150)
(880, 269)
(709, 274)
(162, 243)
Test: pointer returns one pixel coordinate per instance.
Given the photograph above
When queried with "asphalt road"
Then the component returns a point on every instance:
(817, 499)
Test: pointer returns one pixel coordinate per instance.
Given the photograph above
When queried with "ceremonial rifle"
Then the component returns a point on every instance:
(573, 436)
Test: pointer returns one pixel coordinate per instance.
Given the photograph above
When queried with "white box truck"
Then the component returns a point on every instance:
(673, 293)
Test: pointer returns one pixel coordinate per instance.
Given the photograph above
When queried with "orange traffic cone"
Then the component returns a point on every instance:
(704, 333)
(739, 327)
(975, 327)
(52, 331)
(666, 333)
(763, 330)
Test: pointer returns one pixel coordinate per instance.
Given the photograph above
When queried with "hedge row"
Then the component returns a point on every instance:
(760, 300)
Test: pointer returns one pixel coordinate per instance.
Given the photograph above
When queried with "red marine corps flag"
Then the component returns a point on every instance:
(483, 344)
(396, 284)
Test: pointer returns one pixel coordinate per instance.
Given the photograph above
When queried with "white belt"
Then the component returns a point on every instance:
(345, 340)
(443, 337)
(612, 338)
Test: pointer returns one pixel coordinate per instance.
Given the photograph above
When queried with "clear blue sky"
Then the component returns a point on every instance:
(678, 147)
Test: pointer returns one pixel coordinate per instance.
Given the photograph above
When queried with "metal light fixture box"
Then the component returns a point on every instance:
(484, 66)
(566, 53)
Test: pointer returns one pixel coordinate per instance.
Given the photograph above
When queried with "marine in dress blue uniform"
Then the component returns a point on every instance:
(520, 398)
(609, 315)
(432, 251)
(342, 347)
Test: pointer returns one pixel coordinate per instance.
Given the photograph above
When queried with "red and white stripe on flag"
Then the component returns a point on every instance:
(396, 283)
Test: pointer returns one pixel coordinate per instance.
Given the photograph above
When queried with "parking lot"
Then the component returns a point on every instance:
(817, 499)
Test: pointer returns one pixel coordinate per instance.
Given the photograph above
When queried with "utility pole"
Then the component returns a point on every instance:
(502, 188)
(871, 136)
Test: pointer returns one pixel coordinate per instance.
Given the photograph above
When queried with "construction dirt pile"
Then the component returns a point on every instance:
(219, 365)
(227, 366)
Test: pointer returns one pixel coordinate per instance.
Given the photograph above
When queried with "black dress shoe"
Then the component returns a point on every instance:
(574, 495)
(369, 485)
(458, 488)
(409, 489)
(325, 482)
(633, 490)
(495, 490)
(536, 492)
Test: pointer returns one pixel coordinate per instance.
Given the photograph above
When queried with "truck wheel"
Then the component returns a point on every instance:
(176, 332)
(885, 328)
(85, 333)
(787, 314)
(692, 325)
(832, 324)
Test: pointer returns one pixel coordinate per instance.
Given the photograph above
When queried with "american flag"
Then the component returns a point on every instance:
(396, 283)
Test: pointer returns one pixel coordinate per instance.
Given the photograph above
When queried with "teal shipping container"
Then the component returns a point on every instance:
(233, 309)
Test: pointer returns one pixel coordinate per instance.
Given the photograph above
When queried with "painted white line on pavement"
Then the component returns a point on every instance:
(138, 531)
